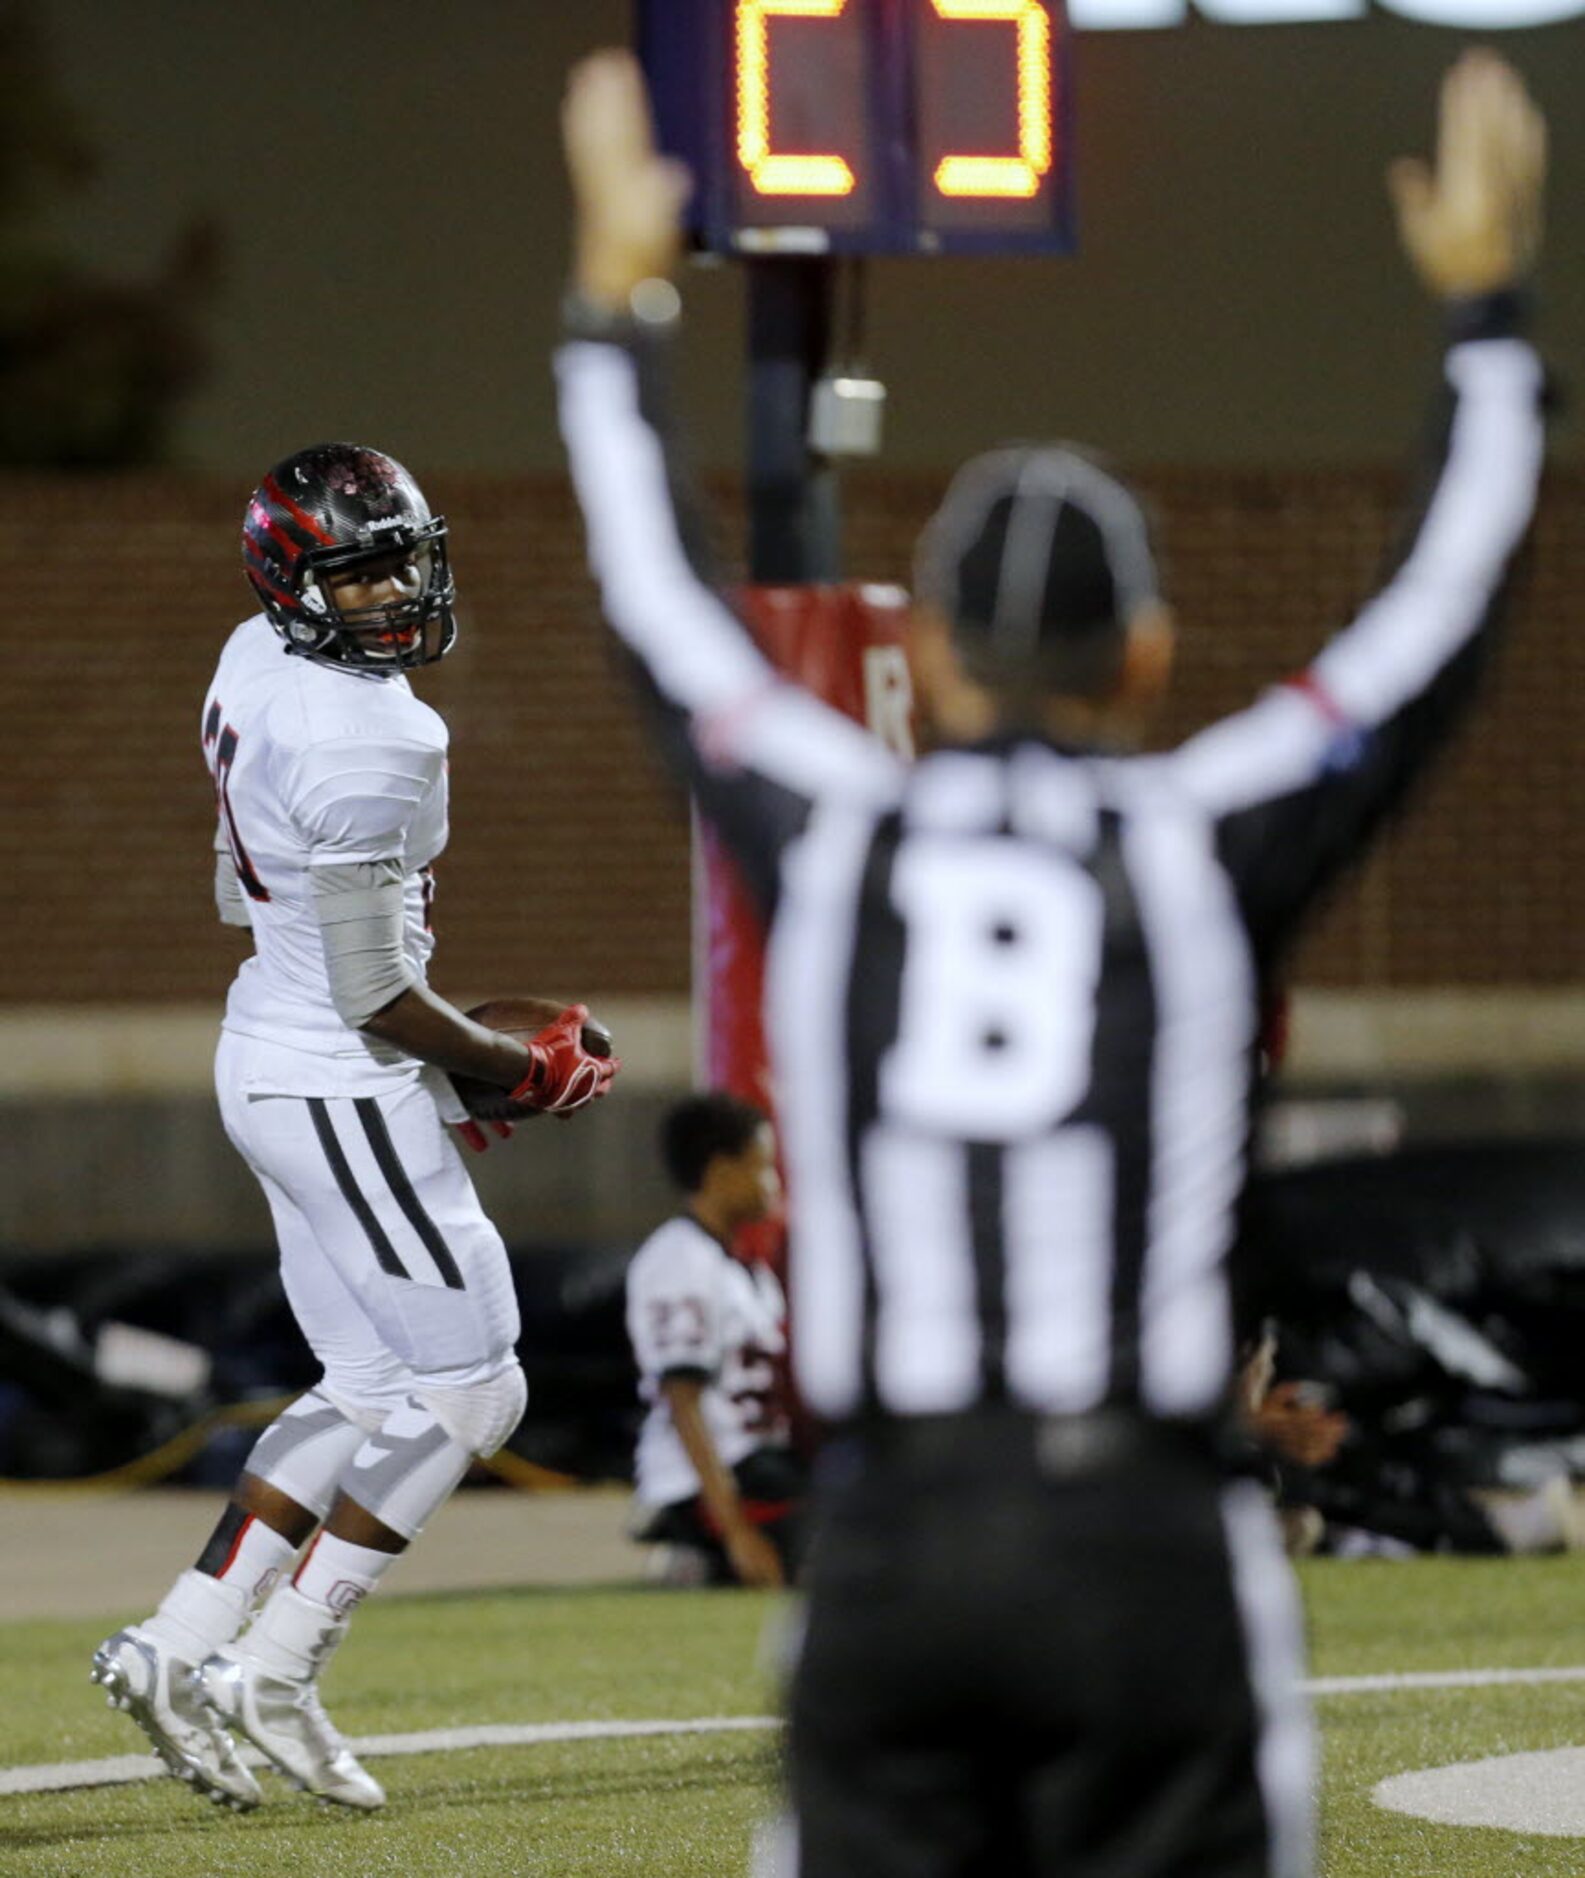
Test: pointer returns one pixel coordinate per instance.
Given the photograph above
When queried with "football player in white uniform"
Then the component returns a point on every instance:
(330, 779)
(715, 1470)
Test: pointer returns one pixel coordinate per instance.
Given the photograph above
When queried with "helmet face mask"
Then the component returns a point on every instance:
(412, 625)
(348, 562)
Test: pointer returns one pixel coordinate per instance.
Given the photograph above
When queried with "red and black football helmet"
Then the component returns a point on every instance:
(339, 509)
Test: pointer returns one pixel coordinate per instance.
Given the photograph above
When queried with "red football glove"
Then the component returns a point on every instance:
(475, 1136)
(563, 1076)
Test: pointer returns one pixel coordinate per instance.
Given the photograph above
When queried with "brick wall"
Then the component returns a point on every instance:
(568, 864)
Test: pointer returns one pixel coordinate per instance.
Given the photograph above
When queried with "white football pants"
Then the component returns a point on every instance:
(395, 1276)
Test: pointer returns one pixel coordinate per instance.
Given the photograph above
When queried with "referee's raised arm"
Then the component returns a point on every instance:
(757, 751)
(1300, 780)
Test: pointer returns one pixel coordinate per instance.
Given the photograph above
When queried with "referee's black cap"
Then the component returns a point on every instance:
(1037, 557)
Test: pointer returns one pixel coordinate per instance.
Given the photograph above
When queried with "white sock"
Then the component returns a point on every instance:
(293, 1637)
(199, 1615)
(340, 1575)
(258, 1558)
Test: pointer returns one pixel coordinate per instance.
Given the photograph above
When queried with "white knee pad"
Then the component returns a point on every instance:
(479, 1416)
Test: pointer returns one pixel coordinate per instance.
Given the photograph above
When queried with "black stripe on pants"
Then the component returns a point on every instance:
(352, 1193)
(402, 1189)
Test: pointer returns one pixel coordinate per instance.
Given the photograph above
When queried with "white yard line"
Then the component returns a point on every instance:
(1437, 1679)
(122, 1769)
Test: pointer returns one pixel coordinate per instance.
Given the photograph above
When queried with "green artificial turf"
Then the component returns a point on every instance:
(680, 1806)
(685, 1806)
(1377, 1618)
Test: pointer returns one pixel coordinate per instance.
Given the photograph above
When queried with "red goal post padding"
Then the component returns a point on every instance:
(845, 644)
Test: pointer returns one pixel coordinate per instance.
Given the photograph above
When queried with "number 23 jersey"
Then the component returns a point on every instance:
(313, 767)
(694, 1310)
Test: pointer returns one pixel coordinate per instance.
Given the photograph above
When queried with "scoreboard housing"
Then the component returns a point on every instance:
(866, 126)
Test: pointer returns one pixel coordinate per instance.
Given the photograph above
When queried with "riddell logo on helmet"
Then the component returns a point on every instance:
(389, 521)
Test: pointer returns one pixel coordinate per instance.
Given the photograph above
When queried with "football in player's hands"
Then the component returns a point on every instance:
(528, 1019)
(523, 1018)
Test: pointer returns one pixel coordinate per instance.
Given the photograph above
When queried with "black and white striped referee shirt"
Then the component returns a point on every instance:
(1012, 991)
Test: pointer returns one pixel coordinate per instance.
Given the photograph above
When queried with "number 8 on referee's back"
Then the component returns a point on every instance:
(1002, 961)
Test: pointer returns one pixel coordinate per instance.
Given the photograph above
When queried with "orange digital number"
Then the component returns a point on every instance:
(774, 172)
(1008, 175)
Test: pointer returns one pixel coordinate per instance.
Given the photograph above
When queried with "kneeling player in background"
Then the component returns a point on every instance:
(331, 784)
(715, 1472)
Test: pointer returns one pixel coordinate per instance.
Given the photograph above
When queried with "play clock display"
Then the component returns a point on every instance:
(866, 126)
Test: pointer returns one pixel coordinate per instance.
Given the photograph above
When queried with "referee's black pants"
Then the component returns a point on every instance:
(1033, 1653)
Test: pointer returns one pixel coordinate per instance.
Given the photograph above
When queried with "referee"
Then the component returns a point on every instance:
(1012, 994)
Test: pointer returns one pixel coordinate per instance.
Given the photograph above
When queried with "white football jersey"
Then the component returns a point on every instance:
(694, 1310)
(314, 765)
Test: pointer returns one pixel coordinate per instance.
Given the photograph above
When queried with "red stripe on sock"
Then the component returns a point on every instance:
(236, 1545)
(306, 1557)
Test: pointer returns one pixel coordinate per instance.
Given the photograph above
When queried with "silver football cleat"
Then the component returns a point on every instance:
(157, 1691)
(287, 1723)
